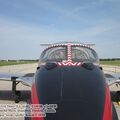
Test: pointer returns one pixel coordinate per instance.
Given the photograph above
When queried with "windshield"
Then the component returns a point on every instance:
(54, 54)
(78, 54)
(83, 54)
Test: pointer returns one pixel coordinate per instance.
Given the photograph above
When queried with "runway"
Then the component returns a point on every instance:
(5, 87)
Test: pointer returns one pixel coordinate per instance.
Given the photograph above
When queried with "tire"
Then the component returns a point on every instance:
(17, 99)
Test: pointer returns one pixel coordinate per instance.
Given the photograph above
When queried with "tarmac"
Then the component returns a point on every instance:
(6, 87)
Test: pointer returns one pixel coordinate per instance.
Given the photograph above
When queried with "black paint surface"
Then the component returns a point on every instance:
(78, 92)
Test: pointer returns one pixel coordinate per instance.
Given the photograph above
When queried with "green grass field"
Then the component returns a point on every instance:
(13, 62)
(111, 62)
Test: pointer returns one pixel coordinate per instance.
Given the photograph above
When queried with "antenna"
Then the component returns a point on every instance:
(45, 44)
(90, 44)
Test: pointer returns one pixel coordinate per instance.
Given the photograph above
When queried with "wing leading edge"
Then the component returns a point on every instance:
(25, 79)
(113, 78)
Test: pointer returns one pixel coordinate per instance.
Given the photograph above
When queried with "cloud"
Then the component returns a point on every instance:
(14, 30)
(102, 1)
(17, 30)
(22, 40)
(99, 29)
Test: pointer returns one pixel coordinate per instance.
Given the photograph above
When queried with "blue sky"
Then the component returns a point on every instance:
(24, 24)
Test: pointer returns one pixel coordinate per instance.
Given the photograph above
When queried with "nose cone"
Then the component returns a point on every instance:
(78, 92)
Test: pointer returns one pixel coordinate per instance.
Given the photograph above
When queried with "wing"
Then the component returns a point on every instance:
(25, 79)
(112, 78)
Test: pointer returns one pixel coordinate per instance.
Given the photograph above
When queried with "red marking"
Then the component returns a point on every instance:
(69, 63)
(108, 106)
(34, 100)
(69, 52)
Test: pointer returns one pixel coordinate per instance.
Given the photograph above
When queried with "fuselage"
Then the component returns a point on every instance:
(70, 77)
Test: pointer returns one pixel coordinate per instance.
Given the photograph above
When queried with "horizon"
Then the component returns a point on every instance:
(38, 59)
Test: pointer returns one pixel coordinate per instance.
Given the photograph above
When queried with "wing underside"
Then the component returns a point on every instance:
(25, 79)
(112, 78)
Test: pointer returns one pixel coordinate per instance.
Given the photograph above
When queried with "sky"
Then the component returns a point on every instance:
(25, 24)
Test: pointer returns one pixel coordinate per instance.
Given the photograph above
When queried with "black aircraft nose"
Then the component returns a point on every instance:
(76, 90)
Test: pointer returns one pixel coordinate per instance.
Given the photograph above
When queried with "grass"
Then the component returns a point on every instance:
(14, 62)
(111, 62)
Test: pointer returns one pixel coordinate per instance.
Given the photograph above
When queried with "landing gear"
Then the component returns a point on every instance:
(15, 94)
(116, 97)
